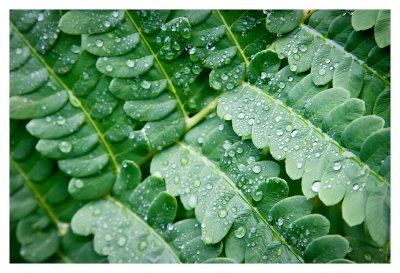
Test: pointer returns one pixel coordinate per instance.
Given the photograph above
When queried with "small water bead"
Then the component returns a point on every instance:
(184, 161)
(222, 213)
(209, 186)
(240, 232)
(337, 166)
(65, 146)
(317, 155)
(253, 230)
(192, 201)
(322, 72)
(316, 186)
(279, 132)
(367, 257)
(303, 48)
(121, 241)
(99, 43)
(290, 78)
(208, 240)
(356, 187)
(145, 84)
(40, 17)
(221, 127)
(131, 135)
(228, 117)
(240, 116)
(200, 140)
(60, 120)
(130, 63)
(210, 46)
(293, 67)
(296, 57)
(170, 226)
(79, 184)
(299, 165)
(18, 51)
(327, 61)
(197, 183)
(114, 14)
(227, 144)
(263, 75)
(239, 150)
(106, 23)
(280, 222)
(256, 169)
(109, 68)
(142, 246)
(282, 85)
(257, 195)
(48, 119)
(278, 118)
(294, 133)
(224, 77)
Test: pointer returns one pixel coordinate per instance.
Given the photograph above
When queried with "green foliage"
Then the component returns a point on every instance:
(198, 136)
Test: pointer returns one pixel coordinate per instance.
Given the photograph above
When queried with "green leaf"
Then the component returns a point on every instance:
(364, 19)
(89, 22)
(326, 249)
(382, 28)
(349, 75)
(283, 21)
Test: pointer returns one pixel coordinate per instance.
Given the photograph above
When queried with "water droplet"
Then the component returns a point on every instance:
(296, 57)
(257, 195)
(290, 78)
(303, 48)
(294, 133)
(263, 75)
(316, 186)
(337, 166)
(40, 17)
(114, 14)
(106, 23)
(221, 127)
(209, 186)
(280, 222)
(131, 135)
(356, 187)
(170, 226)
(239, 150)
(130, 63)
(253, 230)
(18, 51)
(222, 213)
(145, 84)
(322, 72)
(121, 241)
(142, 246)
(256, 169)
(317, 155)
(65, 146)
(109, 68)
(293, 67)
(184, 161)
(240, 116)
(228, 117)
(200, 140)
(197, 183)
(299, 165)
(367, 257)
(282, 85)
(240, 232)
(208, 240)
(279, 132)
(99, 43)
(327, 61)
(79, 184)
(192, 201)
(60, 120)
(210, 46)
(278, 118)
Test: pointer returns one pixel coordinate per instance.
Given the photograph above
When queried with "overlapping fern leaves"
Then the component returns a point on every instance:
(102, 92)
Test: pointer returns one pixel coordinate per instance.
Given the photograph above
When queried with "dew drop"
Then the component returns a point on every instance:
(228, 117)
(280, 222)
(65, 146)
(316, 186)
(99, 43)
(197, 183)
(293, 67)
(18, 51)
(256, 169)
(192, 201)
(145, 84)
(222, 213)
(294, 133)
(356, 187)
(209, 186)
(317, 155)
(303, 48)
(322, 72)
(109, 68)
(299, 165)
(290, 78)
(240, 232)
(257, 195)
(60, 120)
(121, 241)
(79, 184)
(130, 63)
(279, 132)
(106, 23)
(282, 85)
(240, 116)
(221, 127)
(184, 161)
(142, 246)
(114, 14)
(337, 166)
(170, 226)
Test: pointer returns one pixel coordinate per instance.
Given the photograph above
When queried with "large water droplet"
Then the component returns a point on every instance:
(109, 68)
(240, 232)
(65, 146)
(130, 63)
(256, 169)
(79, 184)
(257, 195)
(192, 201)
(99, 43)
(170, 226)
(337, 166)
(322, 72)
(222, 213)
(316, 186)
(356, 187)
(121, 241)
(280, 222)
